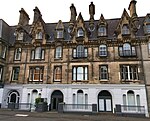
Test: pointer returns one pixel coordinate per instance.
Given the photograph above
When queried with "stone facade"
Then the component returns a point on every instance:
(103, 62)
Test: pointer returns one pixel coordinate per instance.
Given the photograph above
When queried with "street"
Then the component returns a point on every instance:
(7, 115)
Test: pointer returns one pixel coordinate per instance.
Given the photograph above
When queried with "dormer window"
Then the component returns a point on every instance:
(20, 36)
(60, 34)
(125, 30)
(102, 31)
(39, 35)
(80, 32)
(127, 50)
(148, 28)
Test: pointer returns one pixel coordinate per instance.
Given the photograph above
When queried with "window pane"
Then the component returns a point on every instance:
(102, 31)
(15, 73)
(80, 33)
(58, 52)
(38, 53)
(1, 72)
(102, 50)
(18, 54)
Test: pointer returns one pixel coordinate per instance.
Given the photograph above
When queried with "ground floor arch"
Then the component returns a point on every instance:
(105, 101)
(56, 98)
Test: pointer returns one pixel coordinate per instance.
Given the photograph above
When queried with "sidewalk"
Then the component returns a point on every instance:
(95, 117)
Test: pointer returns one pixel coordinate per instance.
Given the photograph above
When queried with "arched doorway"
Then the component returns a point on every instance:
(14, 98)
(104, 101)
(56, 98)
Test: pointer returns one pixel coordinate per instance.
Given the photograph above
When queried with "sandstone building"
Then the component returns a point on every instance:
(103, 62)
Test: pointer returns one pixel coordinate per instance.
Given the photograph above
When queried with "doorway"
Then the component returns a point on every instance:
(56, 98)
(104, 101)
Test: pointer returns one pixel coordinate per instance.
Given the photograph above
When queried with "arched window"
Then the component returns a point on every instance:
(58, 74)
(58, 52)
(102, 50)
(131, 98)
(39, 35)
(79, 97)
(80, 32)
(102, 31)
(18, 54)
(127, 50)
(37, 53)
(80, 52)
(125, 30)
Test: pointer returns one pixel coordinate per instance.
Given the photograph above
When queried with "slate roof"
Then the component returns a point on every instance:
(50, 30)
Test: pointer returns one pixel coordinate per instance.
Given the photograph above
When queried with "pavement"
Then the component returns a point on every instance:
(55, 116)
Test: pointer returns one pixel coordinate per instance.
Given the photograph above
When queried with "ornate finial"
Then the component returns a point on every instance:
(92, 10)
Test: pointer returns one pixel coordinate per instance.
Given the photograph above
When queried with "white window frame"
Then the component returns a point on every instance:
(58, 52)
(18, 54)
(15, 71)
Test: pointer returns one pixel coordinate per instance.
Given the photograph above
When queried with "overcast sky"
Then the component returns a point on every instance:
(55, 10)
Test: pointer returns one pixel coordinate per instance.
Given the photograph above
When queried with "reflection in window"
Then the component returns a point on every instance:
(102, 31)
(80, 73)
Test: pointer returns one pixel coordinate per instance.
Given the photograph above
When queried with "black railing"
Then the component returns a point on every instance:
(77, 107)
(20, 106)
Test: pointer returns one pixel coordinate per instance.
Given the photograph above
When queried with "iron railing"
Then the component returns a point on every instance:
(77, 107)
(132, 109)
(20, 106)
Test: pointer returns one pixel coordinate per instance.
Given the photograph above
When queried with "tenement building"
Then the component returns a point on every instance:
(95, 64)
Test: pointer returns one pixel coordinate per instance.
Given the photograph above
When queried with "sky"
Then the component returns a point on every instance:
(54, 10)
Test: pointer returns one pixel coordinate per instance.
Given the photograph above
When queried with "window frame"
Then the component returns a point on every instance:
(1, 72)
(125, 30)
(80, 52)
(80, 32)
(58, 52)
(33, 71)
(59, 34)
(18, 53)
(57, 74)
(39, 35)
(14, 73)
(129, 72)
(101, 74)
(103, 53)
(3, 52)
(77, 74)
(123, 50)
(102, 31)
(20, 36)
(34, 53)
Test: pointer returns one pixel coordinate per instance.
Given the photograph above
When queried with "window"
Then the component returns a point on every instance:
(20, 36)
(57, 74)
(37, 53)
(1, 72)
(103, 72)
(129, 72)
(58, 52)
(102, 50)
(15, 73)
(18, 54)
(148, 28)
(149, 48)
(60, 34)
(80, 32)
(80, 73)
(125, 30)
(36, 73)
(127, 50)
(39, 35)
(80, 52)
(3, 51)
(80, 97)
(102, 31)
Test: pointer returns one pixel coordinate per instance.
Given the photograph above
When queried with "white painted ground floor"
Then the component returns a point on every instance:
(106, 96)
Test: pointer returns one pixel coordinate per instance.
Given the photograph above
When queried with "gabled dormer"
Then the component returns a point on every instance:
(124, 25)
(59, 30)
(146, 24)
(102, 27)
(38, 27)
(80, 28)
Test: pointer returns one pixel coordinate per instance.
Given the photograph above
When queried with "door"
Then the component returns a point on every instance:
(56, 98)
(105, 101)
